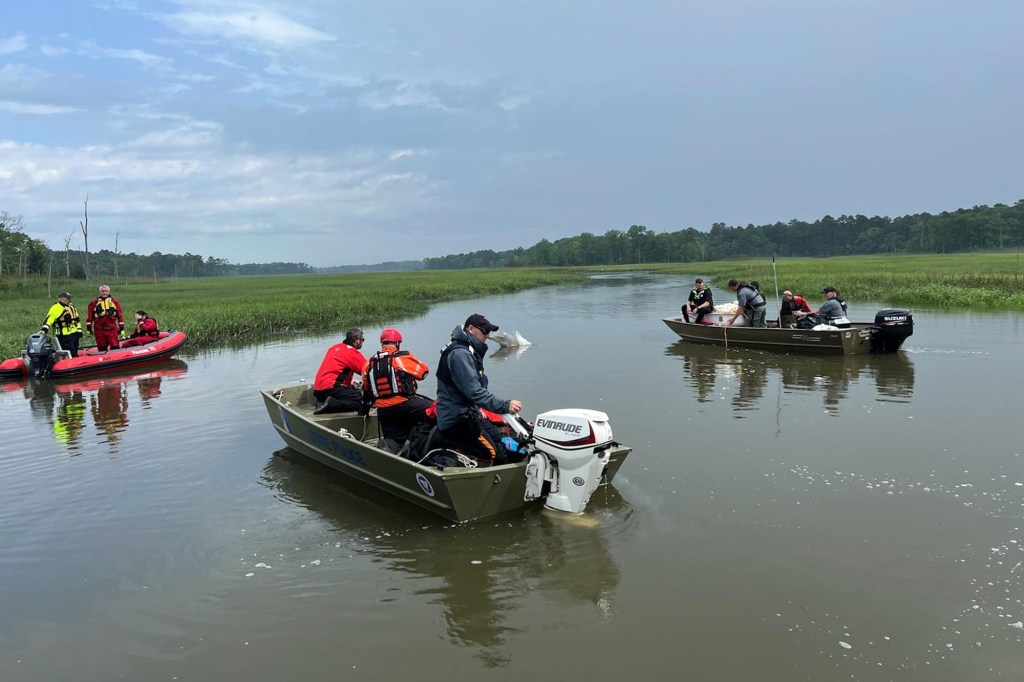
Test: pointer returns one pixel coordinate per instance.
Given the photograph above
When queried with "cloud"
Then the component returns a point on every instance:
(145, 59)
(35, 109)
(14, 44)
(180, 186)
(257, 26)
(51, 51)
(514, 101)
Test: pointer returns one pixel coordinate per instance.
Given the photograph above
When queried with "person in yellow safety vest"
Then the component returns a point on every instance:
(63, 318)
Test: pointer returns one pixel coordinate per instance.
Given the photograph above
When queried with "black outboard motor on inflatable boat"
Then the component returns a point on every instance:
(892, 327)
(41, 354)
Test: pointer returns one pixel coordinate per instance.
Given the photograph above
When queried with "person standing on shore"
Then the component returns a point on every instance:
(105, 319)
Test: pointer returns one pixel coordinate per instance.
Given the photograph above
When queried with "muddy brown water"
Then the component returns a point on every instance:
(781, 517)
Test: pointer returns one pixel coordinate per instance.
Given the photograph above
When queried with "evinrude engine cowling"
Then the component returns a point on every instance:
(40, 353)
(892, 327)
(574, 448)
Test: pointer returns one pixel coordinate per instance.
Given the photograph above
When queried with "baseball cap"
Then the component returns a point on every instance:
(787, 292)
(481, 323)
(828, 289)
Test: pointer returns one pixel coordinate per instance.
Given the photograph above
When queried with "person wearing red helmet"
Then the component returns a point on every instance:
(390, 382)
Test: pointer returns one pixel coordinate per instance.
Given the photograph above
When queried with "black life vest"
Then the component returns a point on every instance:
(699, 297)
(444, 374)
(752, 303)
(384, 381)
(68, 322)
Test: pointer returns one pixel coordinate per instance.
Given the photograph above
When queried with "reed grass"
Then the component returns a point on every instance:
(989, 281)
(241, 311)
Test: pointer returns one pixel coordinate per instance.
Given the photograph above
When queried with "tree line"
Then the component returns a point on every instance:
(22, 255)
(981, 228)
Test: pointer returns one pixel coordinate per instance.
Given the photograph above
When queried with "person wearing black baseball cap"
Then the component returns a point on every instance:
(462, 391)
(831, 311)
(67, 326)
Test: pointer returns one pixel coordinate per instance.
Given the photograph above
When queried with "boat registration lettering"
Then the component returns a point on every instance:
(336, 448)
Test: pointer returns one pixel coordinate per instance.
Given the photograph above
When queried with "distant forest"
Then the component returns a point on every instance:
(982, 228)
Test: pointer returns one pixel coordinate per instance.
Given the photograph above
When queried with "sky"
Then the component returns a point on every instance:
(335, 132)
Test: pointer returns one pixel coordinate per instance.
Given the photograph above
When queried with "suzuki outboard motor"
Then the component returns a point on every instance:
(40, 353)
(574, 446)
(892, 327)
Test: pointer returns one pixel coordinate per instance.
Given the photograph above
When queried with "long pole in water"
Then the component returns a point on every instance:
(778, 301)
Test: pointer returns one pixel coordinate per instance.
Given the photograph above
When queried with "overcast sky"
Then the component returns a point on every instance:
(339, 132)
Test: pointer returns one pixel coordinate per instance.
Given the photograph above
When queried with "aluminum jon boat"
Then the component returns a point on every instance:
(885, 335)
(571, 454)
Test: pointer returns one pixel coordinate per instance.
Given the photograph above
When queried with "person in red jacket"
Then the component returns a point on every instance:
(334, 387)
(105, 319)
(790, 304)
(146, 330)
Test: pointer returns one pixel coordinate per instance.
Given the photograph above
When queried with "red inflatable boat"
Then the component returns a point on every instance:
(41, 359)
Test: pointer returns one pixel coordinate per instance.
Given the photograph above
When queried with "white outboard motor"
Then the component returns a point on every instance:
(574, 447)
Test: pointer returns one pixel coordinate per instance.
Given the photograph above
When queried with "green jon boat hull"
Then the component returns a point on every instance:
(457, 493)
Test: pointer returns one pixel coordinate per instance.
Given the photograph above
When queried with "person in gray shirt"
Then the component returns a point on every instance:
(830, 310)
(749, 302)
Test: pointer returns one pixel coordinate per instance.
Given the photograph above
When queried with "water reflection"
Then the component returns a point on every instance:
(65, 403)
(742, 375)
(479, 574)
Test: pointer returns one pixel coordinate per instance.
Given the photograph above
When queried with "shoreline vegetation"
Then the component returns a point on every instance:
(249, 310)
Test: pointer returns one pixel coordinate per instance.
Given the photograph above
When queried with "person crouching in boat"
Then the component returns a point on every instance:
(462, 389)
(146, 331)
(390, 383)
(105, 319)
(339, 380)
(791, 303)
(67, 326)
(698, 302)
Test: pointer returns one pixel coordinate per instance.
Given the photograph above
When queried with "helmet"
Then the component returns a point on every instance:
(63, 294)
(390, 335)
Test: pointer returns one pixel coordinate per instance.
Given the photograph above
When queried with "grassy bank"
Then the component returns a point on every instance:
(982, 281)
(215, 312)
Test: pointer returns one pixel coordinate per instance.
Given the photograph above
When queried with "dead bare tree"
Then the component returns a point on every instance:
(85, 235)
(117, 236)
(67, 255)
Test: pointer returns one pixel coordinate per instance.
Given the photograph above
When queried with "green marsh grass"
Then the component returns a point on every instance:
(242, 311)
(980, 281)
